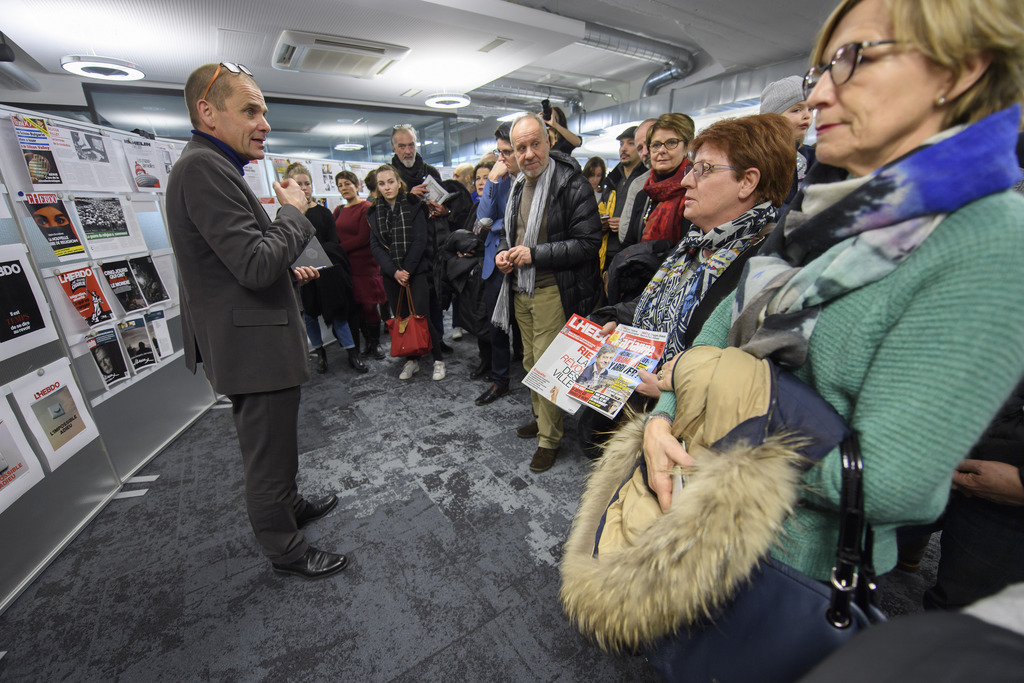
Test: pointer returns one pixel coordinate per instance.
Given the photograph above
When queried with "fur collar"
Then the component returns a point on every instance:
(689, 562)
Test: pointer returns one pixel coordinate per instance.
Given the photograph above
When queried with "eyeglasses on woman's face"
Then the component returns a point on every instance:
(669, 145)
(844, 62)
(703, 168)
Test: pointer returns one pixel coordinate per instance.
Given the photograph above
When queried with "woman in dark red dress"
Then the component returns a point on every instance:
(354, 235)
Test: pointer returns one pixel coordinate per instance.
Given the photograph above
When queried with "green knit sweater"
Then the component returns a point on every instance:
(918, 363)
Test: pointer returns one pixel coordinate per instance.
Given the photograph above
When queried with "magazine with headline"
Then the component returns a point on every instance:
(582, 367)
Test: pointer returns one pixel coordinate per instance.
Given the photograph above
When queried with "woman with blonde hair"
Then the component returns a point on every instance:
(892, 286)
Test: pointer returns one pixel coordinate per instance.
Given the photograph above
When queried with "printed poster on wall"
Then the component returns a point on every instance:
(109, 226)
(25, 321)
(148, 279)
(122, 284)
(323, 176)
(106, 353)
(361, 169)
(61, 157)
(51, 217)
(55, 411)
(256, 178)
(83, 290)
(149, 162)
(19, 468)
(158, 332)
(137, 342)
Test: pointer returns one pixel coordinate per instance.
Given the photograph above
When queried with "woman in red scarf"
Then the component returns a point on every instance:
(668, 140)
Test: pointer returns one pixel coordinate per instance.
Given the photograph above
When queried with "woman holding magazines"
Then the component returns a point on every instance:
(741, 175)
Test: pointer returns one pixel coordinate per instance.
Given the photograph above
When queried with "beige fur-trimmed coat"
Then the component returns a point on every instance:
(654, 573)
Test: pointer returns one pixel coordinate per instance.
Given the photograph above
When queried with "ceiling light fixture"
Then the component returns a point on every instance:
(447, 101)
(348, 146)
(104, 68)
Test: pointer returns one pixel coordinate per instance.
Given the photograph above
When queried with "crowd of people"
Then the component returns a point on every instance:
(881, 268)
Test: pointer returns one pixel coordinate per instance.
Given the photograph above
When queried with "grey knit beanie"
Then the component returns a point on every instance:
(779, 96)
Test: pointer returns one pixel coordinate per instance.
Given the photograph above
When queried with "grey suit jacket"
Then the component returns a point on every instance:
(239, 311)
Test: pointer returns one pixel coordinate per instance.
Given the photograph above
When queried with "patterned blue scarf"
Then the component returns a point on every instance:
(670, 299)
(840, 235)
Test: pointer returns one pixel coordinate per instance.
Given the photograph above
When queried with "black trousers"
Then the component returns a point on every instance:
(267, 426)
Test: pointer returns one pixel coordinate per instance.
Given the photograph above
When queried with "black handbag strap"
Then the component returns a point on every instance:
(854, 549)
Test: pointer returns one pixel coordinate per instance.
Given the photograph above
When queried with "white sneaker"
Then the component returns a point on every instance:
(457, 333)
(439, 371)
(410, 368)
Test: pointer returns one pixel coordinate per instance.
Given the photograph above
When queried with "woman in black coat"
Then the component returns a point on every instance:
(330, 294)
(398, 239)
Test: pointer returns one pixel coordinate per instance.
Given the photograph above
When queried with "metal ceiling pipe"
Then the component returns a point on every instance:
(18, 77)
(678, 62)
(662, 77)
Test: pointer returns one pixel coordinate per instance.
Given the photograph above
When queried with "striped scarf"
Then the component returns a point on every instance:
(527, 275)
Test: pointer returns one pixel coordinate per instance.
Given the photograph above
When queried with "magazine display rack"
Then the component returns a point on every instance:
(92, 372)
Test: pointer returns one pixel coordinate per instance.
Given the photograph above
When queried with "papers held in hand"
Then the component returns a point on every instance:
(436, 192)
(313, 256)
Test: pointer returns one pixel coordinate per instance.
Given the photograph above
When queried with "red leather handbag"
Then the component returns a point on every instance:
(410, 336)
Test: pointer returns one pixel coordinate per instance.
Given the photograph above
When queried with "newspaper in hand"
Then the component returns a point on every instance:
(555, 375)
(613, 373)
(435, 191)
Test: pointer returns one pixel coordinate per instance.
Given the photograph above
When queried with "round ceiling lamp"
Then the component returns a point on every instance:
(447, 101)
(348, 146)
(104, 68)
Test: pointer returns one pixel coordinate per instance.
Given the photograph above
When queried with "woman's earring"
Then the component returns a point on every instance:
(941, 101)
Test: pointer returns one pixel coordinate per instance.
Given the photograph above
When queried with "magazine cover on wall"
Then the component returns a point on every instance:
(109, 226)
(19, 468)
(55, 412)
(323, 176)
(256, 177)
(51, 217)
(60, 157)
(158, 332)
(122, 284)
(149, 162)
(83, 290)
(361, 169)
(279, 164)
(148, 279)
(106, 352)
(137, 342)
(25, 321)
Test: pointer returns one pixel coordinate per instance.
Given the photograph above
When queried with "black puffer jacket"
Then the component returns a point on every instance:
(574, 235)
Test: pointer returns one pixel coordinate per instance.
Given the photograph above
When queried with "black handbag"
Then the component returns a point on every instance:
(783, 623)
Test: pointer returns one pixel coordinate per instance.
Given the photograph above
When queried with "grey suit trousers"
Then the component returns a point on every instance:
(267, 425)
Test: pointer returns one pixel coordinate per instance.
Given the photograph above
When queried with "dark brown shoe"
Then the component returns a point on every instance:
(529, 431)
(543, 459)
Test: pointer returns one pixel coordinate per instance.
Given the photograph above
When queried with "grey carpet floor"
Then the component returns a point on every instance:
(453, 542)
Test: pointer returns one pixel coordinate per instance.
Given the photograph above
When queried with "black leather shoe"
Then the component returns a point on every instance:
(316, 509)
(493, 393)
(314, 564)
(480, 371)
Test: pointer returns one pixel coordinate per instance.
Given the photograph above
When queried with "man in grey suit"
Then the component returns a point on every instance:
(239, 311)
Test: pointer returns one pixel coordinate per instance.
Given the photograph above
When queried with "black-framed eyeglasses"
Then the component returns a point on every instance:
(669, 144)
(230, 66)
(844, 63)
(503, 152)
(702, 168)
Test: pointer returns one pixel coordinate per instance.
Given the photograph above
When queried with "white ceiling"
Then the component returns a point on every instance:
(169, 38)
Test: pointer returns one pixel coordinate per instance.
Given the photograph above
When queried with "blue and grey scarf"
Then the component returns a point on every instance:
(668, 302)
(840, 235)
